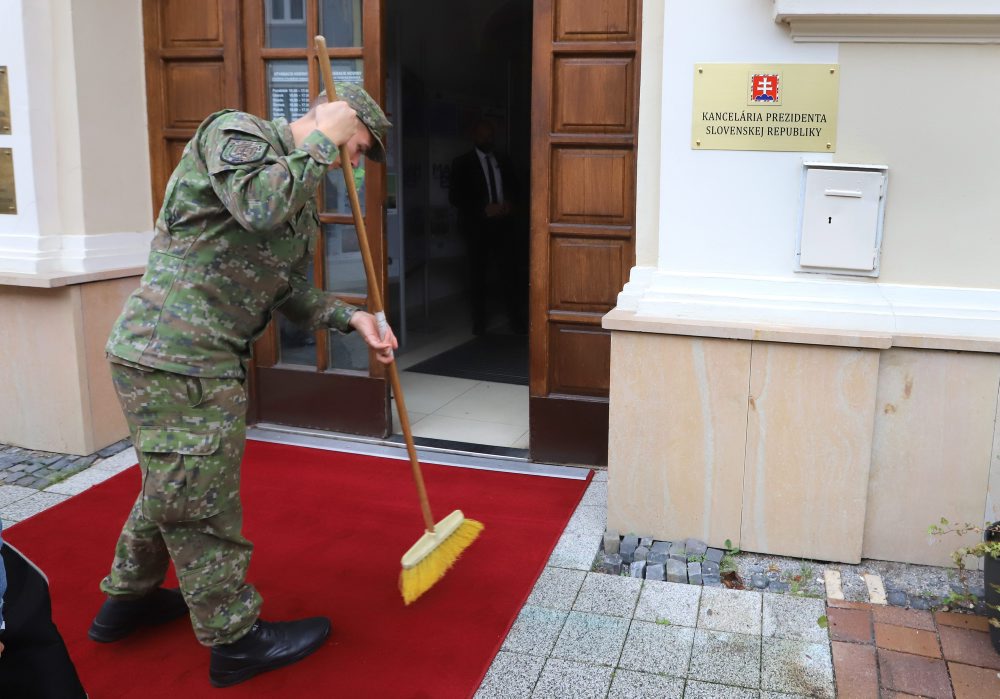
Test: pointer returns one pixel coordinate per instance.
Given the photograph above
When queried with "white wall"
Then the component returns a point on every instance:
(942, 221)
(729, 212)
(728, 220)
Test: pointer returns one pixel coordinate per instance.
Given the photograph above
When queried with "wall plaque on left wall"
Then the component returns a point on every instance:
(8, 196)
(4, 102)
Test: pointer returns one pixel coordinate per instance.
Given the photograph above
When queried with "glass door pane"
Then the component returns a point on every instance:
(336, 200)
(348, 70)
(285, 24)
(345, 271)
(341, 22)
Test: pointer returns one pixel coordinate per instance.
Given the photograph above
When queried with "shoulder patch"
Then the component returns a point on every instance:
(240, 151)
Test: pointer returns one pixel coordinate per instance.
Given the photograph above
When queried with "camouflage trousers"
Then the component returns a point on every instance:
(189, 434)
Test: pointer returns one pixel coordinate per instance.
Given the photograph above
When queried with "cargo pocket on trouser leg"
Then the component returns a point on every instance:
(185, 476)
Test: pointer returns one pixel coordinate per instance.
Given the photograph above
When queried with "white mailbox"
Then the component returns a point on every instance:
(842, 211)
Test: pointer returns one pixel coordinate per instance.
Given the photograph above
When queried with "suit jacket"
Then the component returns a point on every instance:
(469, 191)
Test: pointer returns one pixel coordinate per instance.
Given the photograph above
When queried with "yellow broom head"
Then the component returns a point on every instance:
(434, 553)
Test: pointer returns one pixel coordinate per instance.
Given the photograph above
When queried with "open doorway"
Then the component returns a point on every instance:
(459, 92)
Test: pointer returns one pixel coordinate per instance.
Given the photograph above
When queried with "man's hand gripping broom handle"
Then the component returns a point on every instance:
(374, 296)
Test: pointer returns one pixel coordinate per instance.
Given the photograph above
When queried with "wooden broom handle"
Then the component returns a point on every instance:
(374, 295)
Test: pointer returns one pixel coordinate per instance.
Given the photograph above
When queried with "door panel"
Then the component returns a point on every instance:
(577, 79)
(257, 55)
(581, 360)
(192, 69)
(596, 20)
(584, 118)
(282, 77)
(194, 89)
(587, 273)
(187, 22)
(593, 185)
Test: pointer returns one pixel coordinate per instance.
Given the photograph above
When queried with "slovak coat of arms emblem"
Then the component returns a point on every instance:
(765, 88)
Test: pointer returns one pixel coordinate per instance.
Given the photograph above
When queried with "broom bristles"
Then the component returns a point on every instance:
(418, 579)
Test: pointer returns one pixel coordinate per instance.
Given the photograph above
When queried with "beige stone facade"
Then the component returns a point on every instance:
(825, 416)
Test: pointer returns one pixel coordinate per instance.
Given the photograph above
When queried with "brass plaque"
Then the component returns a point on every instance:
(4, 102)
(769, 107)
(8, 199)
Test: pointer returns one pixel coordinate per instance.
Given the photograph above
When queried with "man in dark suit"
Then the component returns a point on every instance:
(484, 191)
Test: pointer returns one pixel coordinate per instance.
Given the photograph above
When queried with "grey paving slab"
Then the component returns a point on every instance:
(674, 602)
(797, 667)
(783, 695)
(556, 588)
(706, 690)
(13, 493)
(628, 684)
(735, 611)
(511, 676)
(591, 638)
(565, 679)
(596, 495)
(535, 631)
(575, 550)
(7, 523)
(601, 476)
(727, 658)
(76, 484)
(658, 648)
(795, 618)
(119, 462)
(589, 519)
(30, 506)
(611, 595)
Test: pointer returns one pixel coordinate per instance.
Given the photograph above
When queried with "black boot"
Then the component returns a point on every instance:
(120, 617)
(267, 646)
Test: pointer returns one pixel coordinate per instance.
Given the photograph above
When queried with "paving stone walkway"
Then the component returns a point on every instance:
(892, 652)
(585, 634)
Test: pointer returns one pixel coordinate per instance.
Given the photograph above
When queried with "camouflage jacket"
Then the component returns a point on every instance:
(233, 244)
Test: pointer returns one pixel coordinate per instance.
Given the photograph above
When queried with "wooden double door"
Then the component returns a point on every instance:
(257, 55)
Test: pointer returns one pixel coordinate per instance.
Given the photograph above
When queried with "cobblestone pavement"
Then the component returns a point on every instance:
(40, 469)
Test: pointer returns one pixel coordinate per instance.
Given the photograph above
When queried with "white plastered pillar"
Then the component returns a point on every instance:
(78, 137)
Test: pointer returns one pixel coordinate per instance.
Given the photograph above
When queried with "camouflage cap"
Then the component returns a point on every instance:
(369, 112)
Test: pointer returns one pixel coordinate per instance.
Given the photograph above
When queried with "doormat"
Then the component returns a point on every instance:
(497, 358)
(329, 529)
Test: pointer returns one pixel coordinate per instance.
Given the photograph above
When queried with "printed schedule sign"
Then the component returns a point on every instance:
(766, 107)
(289, 92)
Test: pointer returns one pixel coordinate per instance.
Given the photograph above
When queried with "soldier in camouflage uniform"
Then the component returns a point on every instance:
(233, 244)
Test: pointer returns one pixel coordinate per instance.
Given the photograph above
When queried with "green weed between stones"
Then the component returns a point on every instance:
(979, 550)
(728, 562)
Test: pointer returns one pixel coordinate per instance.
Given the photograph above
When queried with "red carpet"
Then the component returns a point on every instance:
(329, 530)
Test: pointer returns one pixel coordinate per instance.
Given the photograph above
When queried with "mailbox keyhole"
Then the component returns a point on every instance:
(829, 219)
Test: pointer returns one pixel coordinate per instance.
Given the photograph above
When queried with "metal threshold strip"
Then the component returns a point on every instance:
(428, 451)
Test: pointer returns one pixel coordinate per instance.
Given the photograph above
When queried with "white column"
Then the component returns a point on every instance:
(81, 153)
